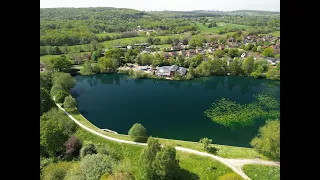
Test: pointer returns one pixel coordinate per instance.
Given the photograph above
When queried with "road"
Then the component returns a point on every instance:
(234, 164)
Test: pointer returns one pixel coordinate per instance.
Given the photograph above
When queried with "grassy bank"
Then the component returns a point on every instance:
(195, 167)
(222, 150)
(220, 26)
(69, 55)
(261, 172)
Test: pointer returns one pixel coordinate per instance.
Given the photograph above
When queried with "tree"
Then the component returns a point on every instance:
(259, 49)
(45, 80)
(166, 164)
(65, 80)
(56, 170)
(206, 142)
(55, 89)
(46, 103)
(60, 96)
(196, 41)
(105, 64)
(70, 102)
(114, 53)
(86, 69)
(95, 55)
(267, 141)
(158, 163)
(95, 165)
(234, 53)
(88, 148)
(273, 74)
(278, 66)
(268, 52)
(247, 65)
(235, 67)
(52, 136)
(59, 64)
(184, 40)
(138, 133)
(210, 25)
(219, 53)
(239, 39)
(248, 47)
(73, 146)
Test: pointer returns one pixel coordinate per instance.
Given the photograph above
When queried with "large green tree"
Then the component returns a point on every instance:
(247, 65)
(86, 69)
(70, 102)
(267, 141)
(235, 67)
(158, 163)
(268, 52)
(138, 132)
(273, 74)
(65, 80)
(46, 103)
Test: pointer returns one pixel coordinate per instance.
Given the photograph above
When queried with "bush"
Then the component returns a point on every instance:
(75, 173)
(95, 165)
(138, 133)
(256, 75)
(73, 146)
(273, 74)
(70, 102)
(206, 143)
(88, 149)
(230, 176)
(56, 170)
(121, 176)
(59, 98)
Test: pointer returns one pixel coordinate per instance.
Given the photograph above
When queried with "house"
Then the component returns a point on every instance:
(200, 51)
(190, 52)
(182, 71)
(272, 61)
(175, 48)
(129, 47)
(221, 47)
(173, 53)
(167, 71)
(166, 55)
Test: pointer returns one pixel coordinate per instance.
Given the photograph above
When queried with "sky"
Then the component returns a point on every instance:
(175, 5)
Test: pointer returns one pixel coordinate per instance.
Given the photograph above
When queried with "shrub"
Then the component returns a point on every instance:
(75, 173)
(46, 103)
(138, 133)
(273, 74)
(56, 170)
(73, 146)
(70, 102)
(59, 98)
(121, 176)
(95, 165)
(88, 149)
(206, 143)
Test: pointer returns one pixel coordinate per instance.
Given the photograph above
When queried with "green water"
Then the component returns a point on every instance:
(167, 109)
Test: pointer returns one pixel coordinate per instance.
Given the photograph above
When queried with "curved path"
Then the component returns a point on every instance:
(234, 164)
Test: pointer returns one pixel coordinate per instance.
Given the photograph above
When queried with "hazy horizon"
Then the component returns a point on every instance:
(169, 5)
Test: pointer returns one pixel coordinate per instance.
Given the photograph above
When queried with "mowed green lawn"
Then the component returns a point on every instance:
(276, 33)
(261, 172)
(220, 26)
(69, 55)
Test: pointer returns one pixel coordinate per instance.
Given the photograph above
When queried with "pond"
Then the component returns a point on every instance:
(167, 109)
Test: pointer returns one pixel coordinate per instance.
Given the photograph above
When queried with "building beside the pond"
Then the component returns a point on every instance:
(169, 71)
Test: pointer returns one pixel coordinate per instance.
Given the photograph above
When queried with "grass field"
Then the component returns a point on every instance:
(195, 167)
(222, 150)
(261, 172)
(107, 34)
(220, 26)
(69, 55)
(276, 33)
